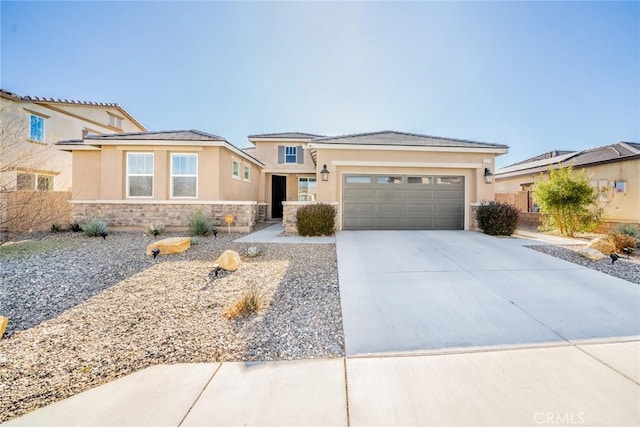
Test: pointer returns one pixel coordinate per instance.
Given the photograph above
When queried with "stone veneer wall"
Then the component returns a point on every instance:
(175, 214)
(290, 209)
(262, 211)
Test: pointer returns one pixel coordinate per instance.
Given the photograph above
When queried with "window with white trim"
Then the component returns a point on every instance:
(307, 189)
(291, 154)
(139, 174)
(34, 182)
(36, 128)
(184, 175)
(247, 173)
(235, 169)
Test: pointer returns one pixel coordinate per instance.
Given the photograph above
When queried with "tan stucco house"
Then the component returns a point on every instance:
(134, 179)
(29, 164)
(379, 180)
(613, 169)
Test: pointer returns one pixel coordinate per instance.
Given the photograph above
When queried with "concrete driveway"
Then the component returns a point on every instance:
(412, 291)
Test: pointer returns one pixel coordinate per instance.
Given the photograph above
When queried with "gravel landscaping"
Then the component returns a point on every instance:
(627, 269)
(85, 311)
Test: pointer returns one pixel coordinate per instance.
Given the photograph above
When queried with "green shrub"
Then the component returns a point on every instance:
(199, 224)
(155, 230)
(629, 229)
(94, 228)
(75, 227)
(55, 228)
(497, 219)
(316, 220)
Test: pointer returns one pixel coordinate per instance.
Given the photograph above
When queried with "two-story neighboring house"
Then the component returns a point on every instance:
(30, 127)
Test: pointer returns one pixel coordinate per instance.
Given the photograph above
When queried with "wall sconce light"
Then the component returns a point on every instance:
(324, 173)
(488, 176)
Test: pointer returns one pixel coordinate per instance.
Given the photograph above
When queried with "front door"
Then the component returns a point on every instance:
(278, 194)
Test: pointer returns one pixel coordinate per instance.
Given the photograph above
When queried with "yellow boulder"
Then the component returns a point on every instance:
(172, 245)
(229, 260)
(603, 245)
(3, 325)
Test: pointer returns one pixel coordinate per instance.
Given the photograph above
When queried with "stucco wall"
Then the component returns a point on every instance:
(34, 210)
(62, 122)
(469, 165)
(267, 152)
(618, 207)
(102, 175)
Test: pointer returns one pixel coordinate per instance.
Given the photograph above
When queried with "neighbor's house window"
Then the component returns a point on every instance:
(247, 173)
(115, 121)
(235, 169)
(139, 174)
(36, 128)
(184, 175)
(34, 182)
(307, 189)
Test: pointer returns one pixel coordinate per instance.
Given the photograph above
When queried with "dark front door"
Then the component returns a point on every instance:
(278, 195)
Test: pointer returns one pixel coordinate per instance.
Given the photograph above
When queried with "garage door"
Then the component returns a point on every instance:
(402, 202)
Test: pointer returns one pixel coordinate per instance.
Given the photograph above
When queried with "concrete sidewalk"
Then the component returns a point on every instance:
(590, 384)
(272, 235)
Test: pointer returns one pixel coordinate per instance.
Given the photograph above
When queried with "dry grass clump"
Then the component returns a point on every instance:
(622, 241)
(251, 301)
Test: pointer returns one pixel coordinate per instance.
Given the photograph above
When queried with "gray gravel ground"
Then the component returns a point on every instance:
(86, 311)
(627, 269)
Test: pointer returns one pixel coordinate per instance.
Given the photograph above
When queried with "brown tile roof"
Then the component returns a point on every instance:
(168, 135)
(286, 135)
(388, 137)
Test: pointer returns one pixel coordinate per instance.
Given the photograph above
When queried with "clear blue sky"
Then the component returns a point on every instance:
(536, 76)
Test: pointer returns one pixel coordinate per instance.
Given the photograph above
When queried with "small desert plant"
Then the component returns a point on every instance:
(251, 301)
(629, 229)
(194, 241)
(94, 228)
(623, 241)
(253, 251)
(316, 220)
(497, 219)
(155, 230)
(199, 224)
(55, 228)
(75, 227)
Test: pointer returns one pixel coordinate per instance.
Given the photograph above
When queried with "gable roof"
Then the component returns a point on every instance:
(172, 137)
(617, 152)
(44, 100)
(394, 138)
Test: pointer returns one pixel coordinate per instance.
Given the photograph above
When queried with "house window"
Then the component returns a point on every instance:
(34, 182)
(36, 128)
(247, 173)
(115, 121)
(235, 169)
(139, 174)
(184, 175)
(307, 189)
(290, 154)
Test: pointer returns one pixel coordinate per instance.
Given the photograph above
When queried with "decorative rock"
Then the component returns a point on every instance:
(602, 244)
(229, 260)
(172, 245)
(3, 325)
(592, 254)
